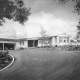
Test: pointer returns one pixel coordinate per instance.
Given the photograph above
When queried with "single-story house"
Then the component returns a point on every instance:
(12, 44)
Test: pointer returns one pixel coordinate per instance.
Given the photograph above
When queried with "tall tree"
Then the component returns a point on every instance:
(15, 35)
(78, 32)
(11, 10)
(45, 41)
(43, 32)
(77, 10)
(76, 6)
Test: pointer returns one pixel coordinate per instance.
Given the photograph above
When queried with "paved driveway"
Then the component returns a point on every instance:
(39, 64)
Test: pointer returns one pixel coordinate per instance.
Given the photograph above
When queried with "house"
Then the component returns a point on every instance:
(13, 44)
(63, 39)
(59, 40)
(7, 43)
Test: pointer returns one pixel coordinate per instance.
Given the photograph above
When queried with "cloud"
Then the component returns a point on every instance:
(52, 24)
(48, 21)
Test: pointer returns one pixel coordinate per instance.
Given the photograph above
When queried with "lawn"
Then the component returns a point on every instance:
(42, 64)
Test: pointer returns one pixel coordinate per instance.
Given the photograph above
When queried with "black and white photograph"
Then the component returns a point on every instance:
(39, 39)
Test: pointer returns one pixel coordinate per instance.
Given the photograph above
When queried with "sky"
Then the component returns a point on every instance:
(54, 18)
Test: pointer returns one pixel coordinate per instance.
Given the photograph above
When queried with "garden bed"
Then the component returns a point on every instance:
(5, 59)
(62, 48)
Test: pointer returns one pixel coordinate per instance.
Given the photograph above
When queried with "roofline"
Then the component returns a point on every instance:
(63, 33)
(7, 39)
(25, 39)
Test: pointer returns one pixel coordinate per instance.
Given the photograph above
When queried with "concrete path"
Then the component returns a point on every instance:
(43, 65)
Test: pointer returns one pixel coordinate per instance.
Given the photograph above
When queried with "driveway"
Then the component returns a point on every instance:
(41, 64)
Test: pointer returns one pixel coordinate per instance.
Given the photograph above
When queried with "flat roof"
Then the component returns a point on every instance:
(7, 39)
(33, 38)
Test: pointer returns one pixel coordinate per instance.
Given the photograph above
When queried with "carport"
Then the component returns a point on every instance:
(1, 46)
(9, 46)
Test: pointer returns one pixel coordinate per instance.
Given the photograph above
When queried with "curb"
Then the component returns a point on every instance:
(9, 64)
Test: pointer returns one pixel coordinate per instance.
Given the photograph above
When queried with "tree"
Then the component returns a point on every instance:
(15, 35)
(78, 32)
(77, 10)
(76, 6)
(43, 32)
(11, 10)
(45, 41)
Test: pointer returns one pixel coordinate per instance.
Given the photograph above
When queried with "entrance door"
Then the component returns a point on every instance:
(30, 43)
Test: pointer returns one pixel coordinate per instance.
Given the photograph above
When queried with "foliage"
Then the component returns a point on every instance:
(77, 10)
(10, 10)
(3, 54)
(5, 59)
(77, 4)
(78, 32)
(43, 32)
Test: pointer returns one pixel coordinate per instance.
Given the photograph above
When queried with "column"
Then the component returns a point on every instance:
(3, 46)
(33, 43)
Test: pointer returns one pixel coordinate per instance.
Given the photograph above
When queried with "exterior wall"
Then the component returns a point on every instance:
(39, 43)
(54, 41)
(44, 42)
(17, 46)
(65, 37)
(22, 44)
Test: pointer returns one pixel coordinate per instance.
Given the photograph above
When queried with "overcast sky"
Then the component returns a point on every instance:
(54, 18)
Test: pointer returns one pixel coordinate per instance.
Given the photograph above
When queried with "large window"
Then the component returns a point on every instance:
(63, 39)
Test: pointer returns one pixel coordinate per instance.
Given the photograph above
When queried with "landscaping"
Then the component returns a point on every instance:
(63, 48)
(43, 64)
(5, 59)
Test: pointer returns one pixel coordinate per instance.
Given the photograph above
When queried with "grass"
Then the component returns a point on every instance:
(42, 64)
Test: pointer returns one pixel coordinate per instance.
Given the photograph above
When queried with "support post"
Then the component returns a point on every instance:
(33, 43)
(3, 46)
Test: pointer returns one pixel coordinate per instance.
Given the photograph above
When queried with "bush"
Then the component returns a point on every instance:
(68, 48)
(5, 59)
(3, 54)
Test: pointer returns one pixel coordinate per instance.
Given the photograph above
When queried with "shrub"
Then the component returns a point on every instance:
(3, 54)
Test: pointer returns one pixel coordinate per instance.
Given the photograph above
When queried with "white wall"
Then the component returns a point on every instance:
(39, 43)
(62, 43)
(18, 45)
(45, 42)
(54, 41)
(25, 45)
